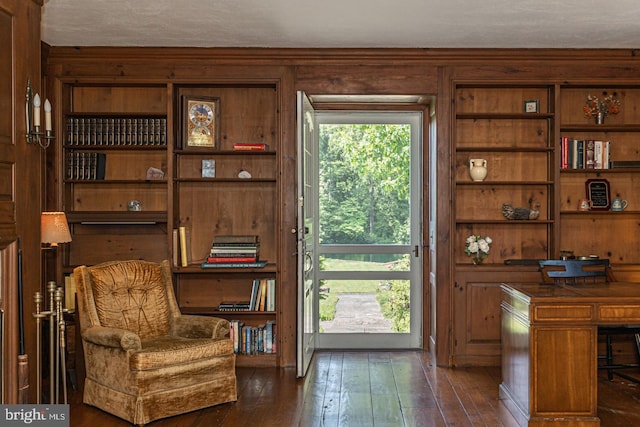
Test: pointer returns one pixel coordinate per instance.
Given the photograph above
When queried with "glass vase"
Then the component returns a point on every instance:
(477, 260)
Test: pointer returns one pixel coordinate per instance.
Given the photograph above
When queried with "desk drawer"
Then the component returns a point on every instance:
(613, 313)
(565, 312)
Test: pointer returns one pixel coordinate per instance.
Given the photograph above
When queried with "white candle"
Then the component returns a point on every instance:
(36, 110)
(47, 115)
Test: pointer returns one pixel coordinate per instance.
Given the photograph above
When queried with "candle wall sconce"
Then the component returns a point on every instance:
(33, 107)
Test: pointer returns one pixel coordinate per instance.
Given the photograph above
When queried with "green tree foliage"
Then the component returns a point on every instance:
(364, 183)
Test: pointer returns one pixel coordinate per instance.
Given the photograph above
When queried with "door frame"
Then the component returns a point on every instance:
(380, 340)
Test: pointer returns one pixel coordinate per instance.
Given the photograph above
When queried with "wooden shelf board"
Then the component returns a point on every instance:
(505, 221)
(504, 183)
(220, 180)
(223, 313)
(468, 148)
(116, 181)
(195, 268)
(500, 116)
(109, 217)
(599, 128)
(599, 171)
(593, 212)
(214, 152)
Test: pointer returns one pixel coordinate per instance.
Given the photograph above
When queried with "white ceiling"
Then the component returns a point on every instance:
(344, 23)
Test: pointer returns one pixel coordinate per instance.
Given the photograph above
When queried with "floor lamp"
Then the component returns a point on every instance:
(54, 229)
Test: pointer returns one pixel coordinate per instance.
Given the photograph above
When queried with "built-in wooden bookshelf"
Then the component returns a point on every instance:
(241, 198)
(511, 128)
(123, 143)
(113, 136)
(606, 233)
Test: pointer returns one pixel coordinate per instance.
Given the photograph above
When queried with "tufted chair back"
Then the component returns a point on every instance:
(130, 295)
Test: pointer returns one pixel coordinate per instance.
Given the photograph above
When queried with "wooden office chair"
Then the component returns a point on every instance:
(576, 272)
(593, 272)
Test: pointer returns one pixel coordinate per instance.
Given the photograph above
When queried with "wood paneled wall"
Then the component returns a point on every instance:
(428, 73)
(24, 191)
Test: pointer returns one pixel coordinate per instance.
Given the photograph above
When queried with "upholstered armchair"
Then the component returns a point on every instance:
(144, 360)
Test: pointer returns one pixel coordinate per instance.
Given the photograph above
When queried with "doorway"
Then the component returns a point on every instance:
(368, 222)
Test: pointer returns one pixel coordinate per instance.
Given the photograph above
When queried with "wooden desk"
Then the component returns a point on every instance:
(549, 348)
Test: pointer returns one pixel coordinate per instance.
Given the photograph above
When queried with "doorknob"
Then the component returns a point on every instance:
(295, 230)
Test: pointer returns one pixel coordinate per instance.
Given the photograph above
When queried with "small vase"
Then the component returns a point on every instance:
(478, 169)
(477, 260)
(600, 118)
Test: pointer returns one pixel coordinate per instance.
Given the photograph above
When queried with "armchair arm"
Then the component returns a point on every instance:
(191, 326)
(112, 337)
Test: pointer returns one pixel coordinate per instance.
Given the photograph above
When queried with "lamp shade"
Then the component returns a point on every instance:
(54, 228)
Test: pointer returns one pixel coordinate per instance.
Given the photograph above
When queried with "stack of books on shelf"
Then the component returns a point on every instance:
(234, 251)
(253, 340)
(584, 154)
(262, 298)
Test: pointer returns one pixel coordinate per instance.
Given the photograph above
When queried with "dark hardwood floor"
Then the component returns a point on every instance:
(369, 389)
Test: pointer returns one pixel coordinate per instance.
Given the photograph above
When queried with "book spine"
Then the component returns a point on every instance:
(176, 244)
(69, 292)
(250, 147)
(589, 154)
(271, 294)
(184, 261)
(254, 293)
(580, 154)
(263, 294)
(573, 154)
(564, 152)
(252, 251)
(598, 154)
(243, 240)
(268, 337)
(231, 259)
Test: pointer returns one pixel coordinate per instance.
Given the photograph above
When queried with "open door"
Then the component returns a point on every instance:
(306, 269)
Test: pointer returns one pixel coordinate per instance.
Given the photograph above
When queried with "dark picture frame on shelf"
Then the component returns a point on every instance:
(200, 122)
(598, 191)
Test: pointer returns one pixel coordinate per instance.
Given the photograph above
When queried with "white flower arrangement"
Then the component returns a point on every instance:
(478, 247)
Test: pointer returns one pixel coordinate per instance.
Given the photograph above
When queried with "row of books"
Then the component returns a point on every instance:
(116, 131)
(262, 298)
(87, 165)
(584, 154)
(253, 340)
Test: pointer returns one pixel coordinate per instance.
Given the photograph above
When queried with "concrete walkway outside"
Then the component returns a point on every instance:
(357, 313)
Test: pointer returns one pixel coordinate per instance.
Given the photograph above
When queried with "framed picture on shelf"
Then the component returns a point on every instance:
(200, 122)
(598, 191)
(531, 106)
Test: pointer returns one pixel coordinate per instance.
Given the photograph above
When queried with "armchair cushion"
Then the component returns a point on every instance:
(200, 327)
(112, 337)
(131, 296)
(167, 350)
